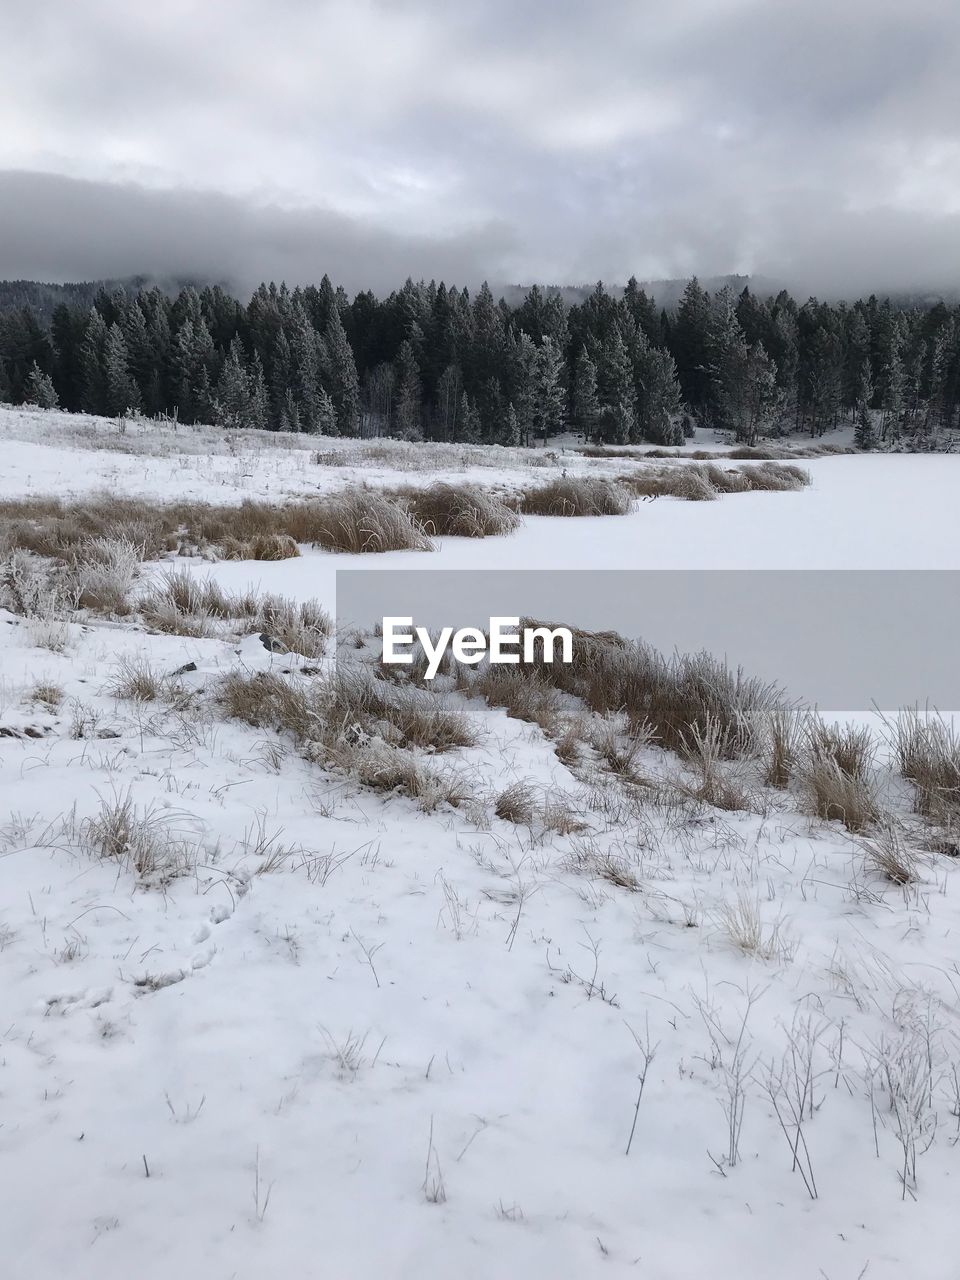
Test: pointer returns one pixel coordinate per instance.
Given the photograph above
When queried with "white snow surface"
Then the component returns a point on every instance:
(271, 1066)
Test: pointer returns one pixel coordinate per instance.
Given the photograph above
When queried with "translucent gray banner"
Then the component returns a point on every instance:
(845, 640)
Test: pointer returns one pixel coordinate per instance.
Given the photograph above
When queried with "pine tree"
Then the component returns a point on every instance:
(548, 414)
(618, 405)
(40, 389)
(469, 426)
(586, 405)
(122, 393)
(67, 329)
(524, 363)
(857, 383)
(864, 436)
(341, 376)
(192, 363)
(823, 379)
(940, 346)
(203, 400)
(511, 434)
(259, 399)
(141, 356)
(232, 399)
(379, 392)
(282, 399)
(408, 393)
(747, 395)
(784, 351)
(727, 360)
(306, 357)
(643, 311)
(93, 396)
(156, 388)
(449, 390)
(326, 419)
(691, 339)
(659, 398)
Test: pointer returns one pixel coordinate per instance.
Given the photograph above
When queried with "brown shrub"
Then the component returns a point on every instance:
(927, 751)
(687, 481)
(838, 796)
(776, 477)
(524, 695)
(264, 546)
(517, 804)
(576, 496)
(888, 854)
(850, 747)
(460, 511)
(355, 700)
(181, 603)
(783, 745)
(357, 521)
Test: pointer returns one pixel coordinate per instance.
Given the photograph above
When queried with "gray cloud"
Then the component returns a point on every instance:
(816, 142)
(57, 228)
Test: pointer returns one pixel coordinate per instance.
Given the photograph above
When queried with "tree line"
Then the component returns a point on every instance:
(435, 362)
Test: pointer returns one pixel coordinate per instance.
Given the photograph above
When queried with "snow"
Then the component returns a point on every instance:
(241, 1073)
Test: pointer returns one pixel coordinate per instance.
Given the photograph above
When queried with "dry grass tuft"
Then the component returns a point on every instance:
(702, 482)
(357, 702)
(269, 701)
(348, 706)
(743, 925)
(104, 574)
(576, 496)
(850, 747)
(181, 603)
(888, 854)
(662, 699)
(522, 694)
(265, 546)
(47, 694)
(386, 768)
(356, 521)
(706, 748)
(302, 627)
(32, 586)
(839, 796)
(619, 746)
(569, 745)
(590, 858)
(459, 511)
(783, 745)
(776, 477)
(517, 803)
(137, 681)
(358, 725)
(927, 751)
(558, 815)
(688, 482)
(140, 840)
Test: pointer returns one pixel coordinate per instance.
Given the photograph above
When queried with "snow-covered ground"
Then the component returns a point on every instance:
(365, 1040)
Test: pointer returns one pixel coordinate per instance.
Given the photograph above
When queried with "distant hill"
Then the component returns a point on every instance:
(43, 298)
(666, 293)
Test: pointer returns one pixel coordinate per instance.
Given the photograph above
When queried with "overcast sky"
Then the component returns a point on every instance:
(813, 141)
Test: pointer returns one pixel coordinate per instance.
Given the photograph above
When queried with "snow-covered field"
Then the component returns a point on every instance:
(364, 1040)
